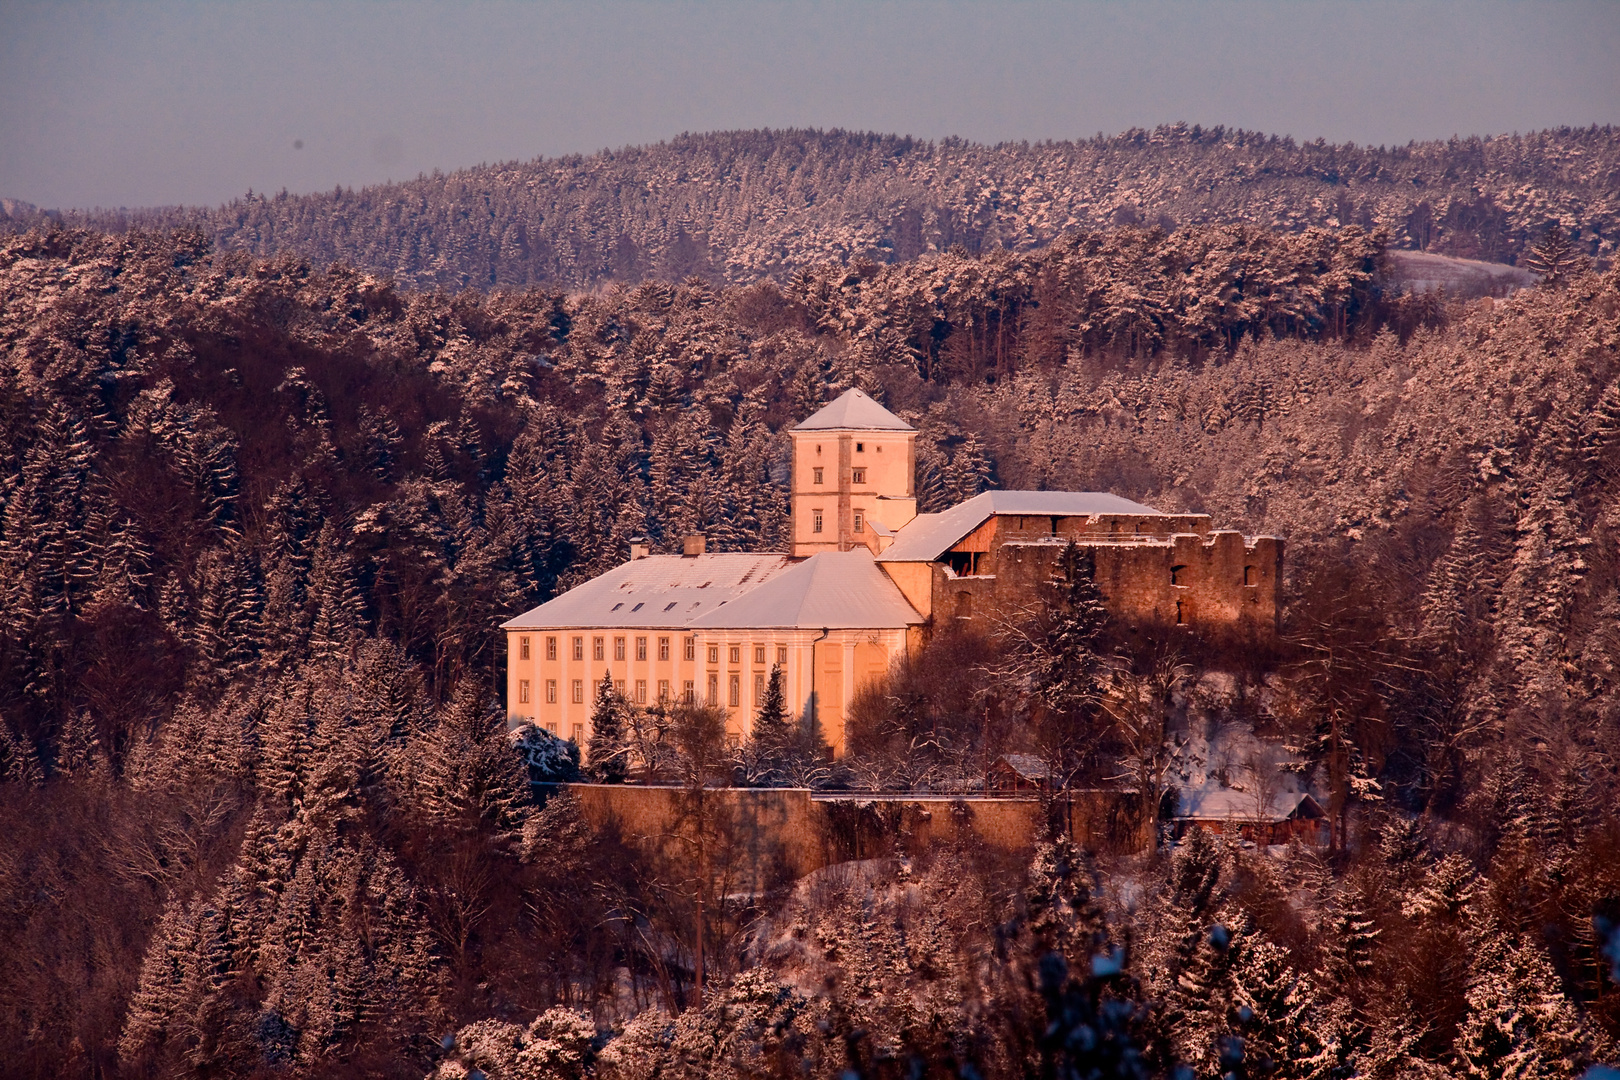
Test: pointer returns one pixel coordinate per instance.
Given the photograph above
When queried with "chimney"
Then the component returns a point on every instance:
(693, 544)
(639, 548)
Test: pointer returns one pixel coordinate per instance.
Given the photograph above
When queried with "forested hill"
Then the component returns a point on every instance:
(735, 206)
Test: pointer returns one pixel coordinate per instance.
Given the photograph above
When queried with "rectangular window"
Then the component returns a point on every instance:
(688, 693)
(579, 648)
(734, 695)
(578, 690)
(816, 474)
(551, 726)
(618, 648)
(815, 521)
(857, 476)
(759, 654)
(860, 448)
(860, 521)
(781, 655)
(663, 689)
(551, 691)
(759, 689)
(596, 647)
(523, 690)
(663, 648)
(641, 691)
(714, 689)
(551, 648)
(578, 734)
(523, 648)
(618, 687)
(641, 648)
(691, 648)
(734, 654)
(714, 654)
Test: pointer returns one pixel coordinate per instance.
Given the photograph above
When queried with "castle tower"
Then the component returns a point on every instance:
(854, 469)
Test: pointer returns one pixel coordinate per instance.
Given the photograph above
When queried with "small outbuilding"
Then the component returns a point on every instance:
(1020, 773)
(1278, 819)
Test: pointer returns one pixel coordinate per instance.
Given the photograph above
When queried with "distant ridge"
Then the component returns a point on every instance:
(740, 205)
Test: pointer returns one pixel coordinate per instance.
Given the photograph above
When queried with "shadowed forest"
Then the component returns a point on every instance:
(260, 517)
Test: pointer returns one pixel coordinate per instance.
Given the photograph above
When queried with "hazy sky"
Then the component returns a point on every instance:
(163, 102)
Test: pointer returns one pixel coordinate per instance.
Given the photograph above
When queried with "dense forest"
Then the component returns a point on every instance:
(733, 207)
(259, 519)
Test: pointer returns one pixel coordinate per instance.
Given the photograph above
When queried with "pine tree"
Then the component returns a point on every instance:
(1349, 940)
(1520, 1023)
(771, 733)
(1271, 1006)
(1553, 257)
(609, 753)
(969, 471)
(19, 761)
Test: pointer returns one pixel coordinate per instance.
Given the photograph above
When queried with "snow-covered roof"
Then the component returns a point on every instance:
(663, 591)
(1215, 803)
(838, 590)
(928, 536)
(853, 410)
(1029, 766)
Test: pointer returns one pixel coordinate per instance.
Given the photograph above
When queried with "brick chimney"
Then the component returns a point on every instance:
(639, 548)
(692, 545)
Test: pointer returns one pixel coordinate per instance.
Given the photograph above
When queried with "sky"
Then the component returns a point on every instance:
(164, 102)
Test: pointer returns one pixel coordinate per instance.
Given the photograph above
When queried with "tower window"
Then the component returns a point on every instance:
(815, 476)
(860, 448)
(857, 476)
(860, 522)
(815, 521)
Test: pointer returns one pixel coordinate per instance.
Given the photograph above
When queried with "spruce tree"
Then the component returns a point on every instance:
(771, 733)
(609, 754)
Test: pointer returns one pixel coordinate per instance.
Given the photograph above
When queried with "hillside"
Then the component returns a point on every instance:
(735, 206)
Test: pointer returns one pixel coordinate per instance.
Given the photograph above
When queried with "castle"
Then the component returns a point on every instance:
(866, 579)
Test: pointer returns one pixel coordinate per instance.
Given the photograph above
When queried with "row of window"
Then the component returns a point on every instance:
(688, 690)
(598, 648)
(856, 476)
(859, 524)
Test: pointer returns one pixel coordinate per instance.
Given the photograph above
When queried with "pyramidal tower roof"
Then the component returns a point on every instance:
(853, 410)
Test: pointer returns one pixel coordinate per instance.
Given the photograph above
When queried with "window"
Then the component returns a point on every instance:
(663, 648)
(1248, 575)
(641, 648)
(734, 654)
(641, 691)
(860, 521)
(815, 521)
(759, 689)
(578, 734)
(579, 648)
(618, 648)
(964, 605)
(523, 690)
(857, 476)
(815, 476)
(1178, 613)
(860, 448)
(691, 648)
(714, 654)
(1175, 577)
(551, 691)
(759, 654)
(578, 691)
(781, 655)
(551, 726)
(688, 694)
(551, 648)
(596, 648)
(523, 648)
(663, 689)
(618, 687)
(714, 689)
(734, 691)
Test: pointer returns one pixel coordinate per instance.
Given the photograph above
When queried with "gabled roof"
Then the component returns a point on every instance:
(836, 590)
(853, 410)
(1213, 803)
(663, 591)
(928, 536)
